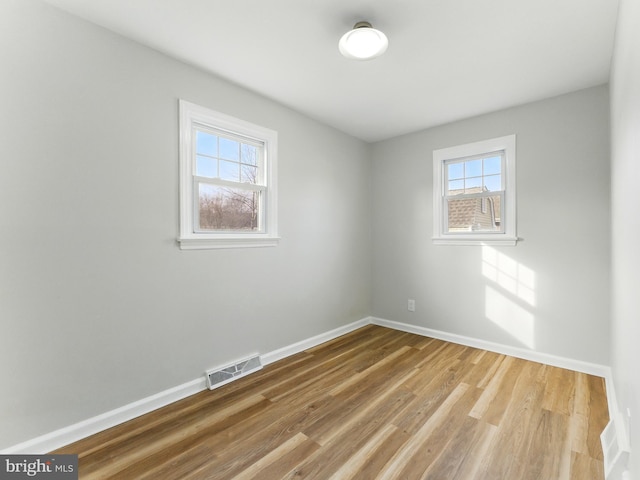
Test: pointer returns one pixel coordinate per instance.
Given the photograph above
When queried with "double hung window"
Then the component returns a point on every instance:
(227, 181)
(474, 193)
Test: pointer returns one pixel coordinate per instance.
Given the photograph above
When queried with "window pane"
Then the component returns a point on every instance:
(206, 166)
(493, 183)
(230, 171)
(455, 170)
(229, 149)
(473, 168)
(249, 174)
(473, 185)
(456, 187)
(223, 208)
(492, 165)
(482, 214)
(206, 143)
(249, 154)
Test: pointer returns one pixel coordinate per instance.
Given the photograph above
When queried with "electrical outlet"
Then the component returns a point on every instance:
(411, 305)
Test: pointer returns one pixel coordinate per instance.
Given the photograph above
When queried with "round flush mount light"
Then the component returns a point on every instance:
(363, 42)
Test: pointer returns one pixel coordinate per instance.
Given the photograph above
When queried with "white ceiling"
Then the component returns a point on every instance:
(447, 59)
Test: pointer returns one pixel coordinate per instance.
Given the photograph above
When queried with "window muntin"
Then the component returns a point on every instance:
(227, 181)
(474, 193)
(467, 174)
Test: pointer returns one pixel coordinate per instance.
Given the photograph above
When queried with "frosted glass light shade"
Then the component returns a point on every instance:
(363, 42)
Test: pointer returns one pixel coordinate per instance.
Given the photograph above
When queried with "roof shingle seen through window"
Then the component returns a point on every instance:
(469, 214)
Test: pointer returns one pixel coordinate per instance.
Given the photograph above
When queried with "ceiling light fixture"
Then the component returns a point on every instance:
(363, 42)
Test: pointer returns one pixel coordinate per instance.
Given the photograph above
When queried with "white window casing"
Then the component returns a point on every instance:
(502, 232)
(258, 187)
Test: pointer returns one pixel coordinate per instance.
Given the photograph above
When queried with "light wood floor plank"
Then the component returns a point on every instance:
(478, 452)
(514, 386)
(402, 459)
(492, 388)
(261, 464)
(375, 403)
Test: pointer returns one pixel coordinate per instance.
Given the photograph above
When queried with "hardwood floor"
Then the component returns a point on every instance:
(373, 404)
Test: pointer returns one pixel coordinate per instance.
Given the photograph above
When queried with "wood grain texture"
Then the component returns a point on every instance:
(373, 404)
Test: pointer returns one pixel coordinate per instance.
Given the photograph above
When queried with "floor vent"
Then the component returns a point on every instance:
(223, 375)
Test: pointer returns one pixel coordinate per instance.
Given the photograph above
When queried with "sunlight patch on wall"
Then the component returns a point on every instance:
(509, 300)
(512, 276)
(510, 316)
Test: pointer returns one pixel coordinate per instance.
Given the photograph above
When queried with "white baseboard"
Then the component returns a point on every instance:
(303, 345)
(546, 358)
(614, 439)
(66, 435)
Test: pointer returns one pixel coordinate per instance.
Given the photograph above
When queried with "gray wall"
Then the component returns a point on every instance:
(563, 221)
(625, 173)
(98, 306)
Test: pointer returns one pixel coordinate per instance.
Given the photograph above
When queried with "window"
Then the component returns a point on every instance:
(227, 181)
(474, 193)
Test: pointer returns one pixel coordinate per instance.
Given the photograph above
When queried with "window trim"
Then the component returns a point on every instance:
(508, 236)
(189, 239)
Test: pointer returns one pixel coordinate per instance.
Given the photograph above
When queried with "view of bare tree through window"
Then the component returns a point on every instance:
(223, 208)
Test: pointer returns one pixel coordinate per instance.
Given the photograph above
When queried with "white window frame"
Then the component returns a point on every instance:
(507, 236)
(190, 238)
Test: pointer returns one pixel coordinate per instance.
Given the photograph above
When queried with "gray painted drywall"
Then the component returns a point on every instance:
(563, 221)
(625, 175)
(98, 306)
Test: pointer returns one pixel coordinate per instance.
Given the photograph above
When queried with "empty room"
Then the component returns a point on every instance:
(320, 239)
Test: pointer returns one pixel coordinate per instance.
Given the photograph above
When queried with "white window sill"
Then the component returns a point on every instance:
(227, 242)
(475, 240)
